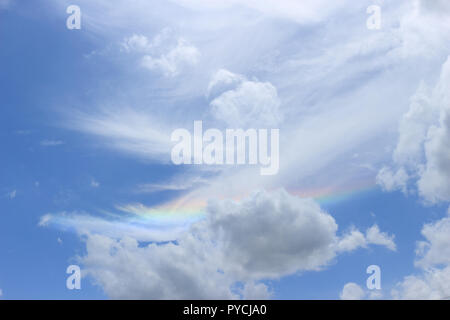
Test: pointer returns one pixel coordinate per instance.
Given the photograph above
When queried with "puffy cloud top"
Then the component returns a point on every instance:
(265, 236)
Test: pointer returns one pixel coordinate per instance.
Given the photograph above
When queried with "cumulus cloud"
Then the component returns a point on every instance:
(173, 271)
(390, 181)
(352, 291)
(137, 42)
(256, 291)
(423, 148)
(170, 63)
(352, 240)
(434, 183)
(433, 284)
(413, 128)
(222, 81)
(165, 53)
(243, 103)
(356, 239)
(433, 258)
(265, 236)
(436, 249)
(271, 235)
(375, 236)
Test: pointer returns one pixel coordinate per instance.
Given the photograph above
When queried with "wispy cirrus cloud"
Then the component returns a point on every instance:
(51, 143)
(11, 195)
(126, 130)
(325, 79)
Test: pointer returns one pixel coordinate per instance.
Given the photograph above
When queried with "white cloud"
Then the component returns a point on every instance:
(433, 258)
(434, 183)
(171, 63)
(356, 239)
(51, 143)
(330, 87)
(423, 149)
(127, 130)
(375, 236)
(304, 12)
(165, 53)
(222, 81)
(436, 249)
(352, 240)
(413, 128)
(11, 195)
(263, 237)
(433, 284)
(158, 229)
(436, 6)
(183, 271)
(44, 220)
(352, 291)
(425, 28)
(185, 182)
(390, 181)
(95, 184)
(256, 291)
(270, 235)
(1, 293)
(318, 88)
(243, 103)
(137, 42)
(171, 60)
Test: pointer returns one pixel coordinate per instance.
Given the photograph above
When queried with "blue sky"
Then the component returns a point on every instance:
(86, 176)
